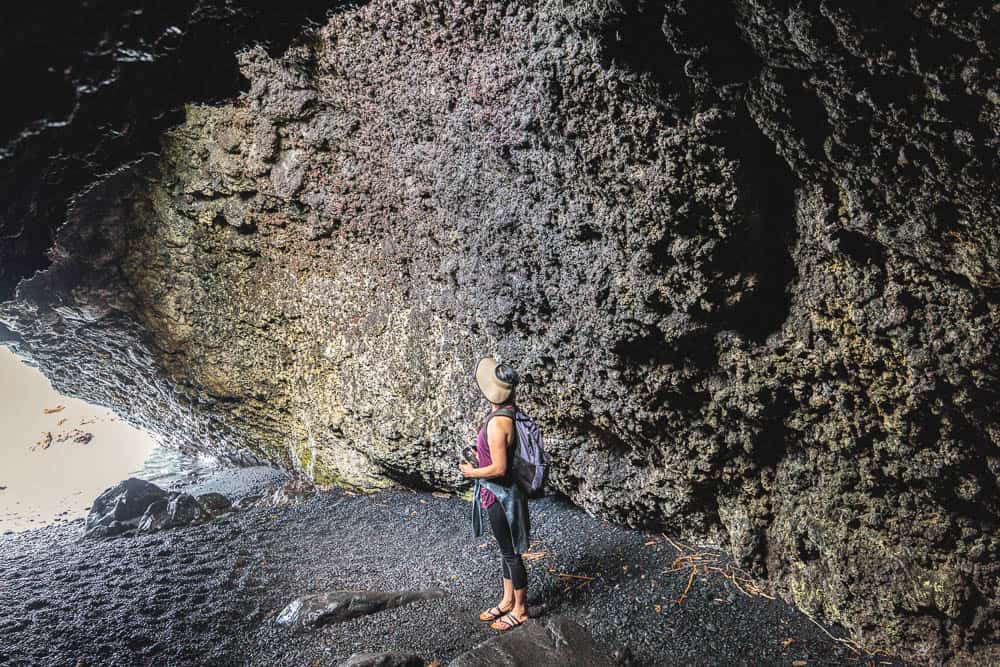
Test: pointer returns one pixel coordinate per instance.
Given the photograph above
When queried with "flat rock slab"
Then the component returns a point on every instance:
(554, 642)
(392, 659)
(313, 611)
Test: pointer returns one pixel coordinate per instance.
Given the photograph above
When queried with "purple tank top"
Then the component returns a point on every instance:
(486, 496)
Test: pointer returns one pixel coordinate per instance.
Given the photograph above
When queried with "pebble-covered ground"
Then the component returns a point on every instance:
(208, 595)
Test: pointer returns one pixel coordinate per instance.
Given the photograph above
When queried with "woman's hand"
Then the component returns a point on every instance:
(466, 468)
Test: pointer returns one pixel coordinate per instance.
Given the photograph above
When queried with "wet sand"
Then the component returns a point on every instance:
(208, 595)
(59, 482)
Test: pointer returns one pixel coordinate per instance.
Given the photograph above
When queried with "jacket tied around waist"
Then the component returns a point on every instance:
(515, 507)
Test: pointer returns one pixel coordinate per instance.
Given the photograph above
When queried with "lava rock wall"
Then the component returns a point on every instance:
(91, 85)
(744, 255)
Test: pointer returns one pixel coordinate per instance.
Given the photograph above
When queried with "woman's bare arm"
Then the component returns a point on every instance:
(498, 434)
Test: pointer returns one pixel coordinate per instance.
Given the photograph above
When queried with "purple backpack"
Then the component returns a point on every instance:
(531, 461)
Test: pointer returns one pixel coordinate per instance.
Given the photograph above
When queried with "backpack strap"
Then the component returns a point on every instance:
(504, 411)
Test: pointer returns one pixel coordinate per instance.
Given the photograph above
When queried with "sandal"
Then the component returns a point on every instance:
(509, 621)
(492, 614)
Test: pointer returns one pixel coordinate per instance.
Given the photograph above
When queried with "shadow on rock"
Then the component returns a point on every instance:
(314, 611)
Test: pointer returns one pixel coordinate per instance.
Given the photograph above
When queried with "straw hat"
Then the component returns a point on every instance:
(496, 390)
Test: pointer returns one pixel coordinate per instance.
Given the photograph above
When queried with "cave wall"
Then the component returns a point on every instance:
(744, 255)
(92, 85)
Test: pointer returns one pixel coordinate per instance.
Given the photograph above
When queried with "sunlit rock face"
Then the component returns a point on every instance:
(744, 256)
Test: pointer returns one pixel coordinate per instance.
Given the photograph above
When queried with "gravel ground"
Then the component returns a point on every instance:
(233, 482)
(207, 595)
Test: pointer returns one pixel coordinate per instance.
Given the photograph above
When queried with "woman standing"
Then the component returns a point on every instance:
(498, 495)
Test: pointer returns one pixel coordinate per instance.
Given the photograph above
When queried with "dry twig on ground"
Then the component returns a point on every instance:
(710, 561)
(694, 571)
(583, 580)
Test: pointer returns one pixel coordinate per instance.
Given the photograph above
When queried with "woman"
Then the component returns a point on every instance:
(498, 495)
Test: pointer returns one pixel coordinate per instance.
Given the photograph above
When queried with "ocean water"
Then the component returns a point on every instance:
(170, 468)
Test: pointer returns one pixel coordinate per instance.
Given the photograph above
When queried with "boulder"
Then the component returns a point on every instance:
(136, 504)
(554, 642)
(155, 518)
(313, 611)
(184, 510)
(119, 508)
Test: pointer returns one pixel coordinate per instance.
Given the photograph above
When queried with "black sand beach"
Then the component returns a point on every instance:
(208, 595)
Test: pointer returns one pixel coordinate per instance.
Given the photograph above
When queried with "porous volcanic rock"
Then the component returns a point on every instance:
(744, 255)
(93, 84)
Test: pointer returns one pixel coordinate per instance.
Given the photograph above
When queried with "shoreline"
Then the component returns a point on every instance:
(209, 594)
(57, 452)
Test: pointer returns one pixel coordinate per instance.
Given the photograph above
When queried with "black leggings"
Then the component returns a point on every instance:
(513, 566)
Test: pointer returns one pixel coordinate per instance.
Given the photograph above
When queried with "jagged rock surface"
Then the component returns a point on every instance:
(93, 84)
(744, 255)
(119, 508)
